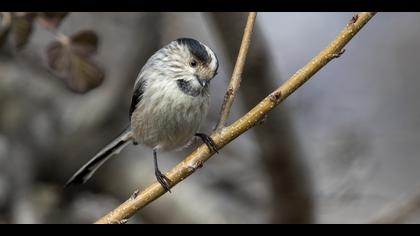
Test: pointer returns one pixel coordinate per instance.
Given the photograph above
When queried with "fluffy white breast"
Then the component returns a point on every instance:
(167, 118)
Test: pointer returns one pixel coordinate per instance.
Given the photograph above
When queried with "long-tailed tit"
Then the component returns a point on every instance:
(170, 101)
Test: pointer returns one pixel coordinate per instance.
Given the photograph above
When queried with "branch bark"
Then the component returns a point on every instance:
(224, 136)
(288, 175)
(398, 212)
(235, 81)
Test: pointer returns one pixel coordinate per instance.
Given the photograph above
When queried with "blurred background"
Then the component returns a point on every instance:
(343, 149)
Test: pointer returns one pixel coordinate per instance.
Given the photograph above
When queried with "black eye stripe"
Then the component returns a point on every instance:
(186, 88)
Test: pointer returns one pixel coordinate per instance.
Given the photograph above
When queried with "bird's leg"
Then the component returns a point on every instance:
(161, 178)
(208, 141)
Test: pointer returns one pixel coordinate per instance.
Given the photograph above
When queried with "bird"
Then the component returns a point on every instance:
(170, 101)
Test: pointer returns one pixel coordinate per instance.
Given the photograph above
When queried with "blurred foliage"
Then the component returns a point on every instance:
(22, 26)
(69, 57)
(51, 20)
(5, 22)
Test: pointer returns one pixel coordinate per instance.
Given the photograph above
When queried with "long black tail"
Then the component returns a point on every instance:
(84, 173)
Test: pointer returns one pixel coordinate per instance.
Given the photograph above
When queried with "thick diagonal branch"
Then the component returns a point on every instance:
(197, 158)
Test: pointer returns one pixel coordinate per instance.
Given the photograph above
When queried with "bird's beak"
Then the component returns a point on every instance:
(202, 82)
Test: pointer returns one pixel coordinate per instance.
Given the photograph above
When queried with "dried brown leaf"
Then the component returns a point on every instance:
(84, 42)
(5, 24)
(58, 57)
(79, 72)
(86, 74)
(22, 28)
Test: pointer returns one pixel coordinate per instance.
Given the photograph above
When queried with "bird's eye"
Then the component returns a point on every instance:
(193, 63)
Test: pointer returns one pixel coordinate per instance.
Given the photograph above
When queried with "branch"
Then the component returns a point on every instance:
(222, 137)
(235, 81)
(399, 211)
(288, 176)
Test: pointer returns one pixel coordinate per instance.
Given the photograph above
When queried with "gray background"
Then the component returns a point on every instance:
(344, 146)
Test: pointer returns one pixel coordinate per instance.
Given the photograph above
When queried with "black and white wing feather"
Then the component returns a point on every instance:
(137, 95)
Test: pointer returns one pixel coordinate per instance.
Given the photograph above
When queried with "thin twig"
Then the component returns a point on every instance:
(287, 172)
(196, 159)
(236, 78)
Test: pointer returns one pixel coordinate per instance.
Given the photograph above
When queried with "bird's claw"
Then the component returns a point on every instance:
(163, 180)
(208, 141)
